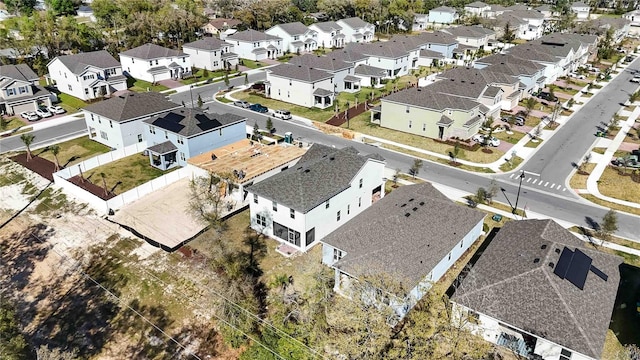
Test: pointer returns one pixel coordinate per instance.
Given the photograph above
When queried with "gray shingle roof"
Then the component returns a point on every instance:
(387, 49)
(327, 63)
(506, 284)
(151, 51)
(349, 55)
(354, 22)
(426, 53)
(251, 35)
(20, 72)
(498, 59)
(444, 9)
(77, 63)
(437, 37)
(320, 174)
(163, 148)
(476, 4)
(131, 106)
(527, 14)
(299, 72)
(366, 70)
(191, 122)
(294, 28)
(206, 43)
(383, 238)
(469, 31)
(423, 97)
(322, 92)
(327, 26)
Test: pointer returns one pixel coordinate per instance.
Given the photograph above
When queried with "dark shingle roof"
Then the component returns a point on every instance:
(354, 22)
(469, 31)
(299, 72)
(190, 122)
(476, 4)
(251, 35)
(508, 284)
(294, 28)
(383, 238)
(151, 51)
(437, 37)
(77, 63)
(327, 26)
(163, 148)
(220, 23)
(20, 72)
(367, 70)
(131, 106)
(207, 43)
(349, 55)
(423, 97)
(328, 63)
(321, 173)
(387, 49)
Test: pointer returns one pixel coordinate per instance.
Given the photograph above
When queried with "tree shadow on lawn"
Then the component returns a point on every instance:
(625, 321)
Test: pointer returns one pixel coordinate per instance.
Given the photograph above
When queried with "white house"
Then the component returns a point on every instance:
(538, 291)
(633, 17)
(477, 8)
(409, 235)
(152, 63)
(342, 71)
(211, 53)
(325, 190)
(254, 45)
(177, 135)
(87, 75)
(443, 15)
(475, 36)
(581, 10)
(296, 37)
(117, 121)
(357, 30)
(388, 55)
(20, 91)
(420, 22)
(535, 23)
(300, 85)
(330, 34)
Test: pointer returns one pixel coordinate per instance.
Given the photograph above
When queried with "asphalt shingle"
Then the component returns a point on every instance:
(131, 106)
(78, 63)
(152, 51)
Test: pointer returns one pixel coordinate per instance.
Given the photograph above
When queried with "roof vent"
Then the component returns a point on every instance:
(403, 205)
(332, 158)
(544, 246)
(407, 214)
(421, 203)
(121, 96)
(414, 209)
(419, 89)
(557, 251)
(536, 260)
(410, 200)
(550, 264)
(307, 170)
(300, 168)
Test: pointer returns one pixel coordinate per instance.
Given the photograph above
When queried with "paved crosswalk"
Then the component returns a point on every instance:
(535, 180)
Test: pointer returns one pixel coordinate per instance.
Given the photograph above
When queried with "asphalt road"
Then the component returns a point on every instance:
(46, 136)
(207, 92)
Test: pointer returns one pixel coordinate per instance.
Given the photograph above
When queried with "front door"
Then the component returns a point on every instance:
(440, 132)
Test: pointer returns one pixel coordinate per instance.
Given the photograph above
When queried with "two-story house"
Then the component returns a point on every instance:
(388, 55)
(255, 45)
(443, 15)
(475, 36)
(325, 190)
(581, 10)
(370, 76)
(530, 73)
(177, 135)
(329, 34)
(296, 37)
(20, 91)
(217, 25)
(439, 42)
(423, 112)
(117, 122)
(420, 22)
(87, 75)
(153, 63)
(211, 53)
(538, 291)
(477, 8)
(460, 80)
(535, 23)
(342, 71)
(300, 85)
(357, 30)
(633, 17)
(410, 236)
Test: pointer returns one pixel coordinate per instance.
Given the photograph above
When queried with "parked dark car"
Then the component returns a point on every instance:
(547, 96)
(259, 108)
(516, 120)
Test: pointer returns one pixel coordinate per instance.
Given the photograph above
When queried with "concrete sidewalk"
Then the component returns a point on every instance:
(185, 88)
(47, 123)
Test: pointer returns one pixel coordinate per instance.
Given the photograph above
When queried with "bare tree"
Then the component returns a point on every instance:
(415, 168)
(207, 199)
(104, 183)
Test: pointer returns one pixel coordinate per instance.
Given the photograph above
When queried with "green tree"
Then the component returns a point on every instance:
(246, 79)
(270, 124)
(13, 345)
(200, 102)
(205, 73)
(508, 35)
(609, 224)
(481, 195)
(454, 154)
(414, 170)
(530, 104)
(62, 7)
(27, 140)
(22, 7)
(3, 122)
(256, 132)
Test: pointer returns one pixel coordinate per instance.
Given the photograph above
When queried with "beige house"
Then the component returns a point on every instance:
(427, 113)
(218, 25)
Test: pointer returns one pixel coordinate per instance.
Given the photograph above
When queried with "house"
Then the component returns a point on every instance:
(342, 71)
(357, 30)
(440, 42)
(633, 17)
(88, 75)
(530, 73)
(443, 15)
(535, 23)
(325, 190)
(581, 10)
(218, 25)
(153, 63)
(330, 34)
(477, 8)
(20, 91)
(254, 45)
(517, 25)
(537, 290)
(296, 37)
(179, 134)
(432, 114)
(211, 53)
(388, 55)
(546, 10)
(420, 22)
(117, 122)
(475, 36)
(409, 235)
(85, 11)
(300, 85)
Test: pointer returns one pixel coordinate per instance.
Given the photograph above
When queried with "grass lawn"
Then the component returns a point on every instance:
(610, 205)
(532, 121)
(579, 181)
(199, 76)
(251, 64)
(599, 150)
(566, 90)
(143, 86)
(362, 124)
(286, 58)
(74, 151)
(566, 112)
(309, 113)
(586, 94)
(629, 107)
(510, 165)
(619, 186)
(126, 173)
(13, 123)
(70, 103)
(532, 144)
(322, 51)
(510, 138)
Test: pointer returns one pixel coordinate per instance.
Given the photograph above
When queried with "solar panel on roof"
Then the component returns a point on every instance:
(599, 273)
(578, 269)
(563, 263)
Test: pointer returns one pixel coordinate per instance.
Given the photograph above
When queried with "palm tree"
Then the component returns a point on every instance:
(530, 104)
(104, 183)
(281, 281)
(27, 139)
(55, 150)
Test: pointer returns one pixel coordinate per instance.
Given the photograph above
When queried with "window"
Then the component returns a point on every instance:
(104, 135)
(449, 257)
(338, 216)
(461, 243)
(410, 123)
(261, 220)
(359, 201)
(215, 64)
(92, 119)
(275, 206)
(255, 198)
(11, 92)
(110, 123)
(86, 91)
(180, 140)
(292, 213)
(424, 127)
(184, 59)
(326, 205)
(156, 62)
(182, 156)
(152, 130)
(337, 254)
(565, 354)
(150, 62)
(288, 93)
(166, 135)
(23, 89)
(406, 109)
(360, 184)
(139, 137)
(348, 209)
(70, 88)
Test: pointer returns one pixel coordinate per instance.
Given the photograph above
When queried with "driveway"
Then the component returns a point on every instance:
(171, 84)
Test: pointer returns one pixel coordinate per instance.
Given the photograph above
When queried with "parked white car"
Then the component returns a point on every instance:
(577, 76)
(43, 112)
(635, 79)
(29, 115)
(56, 109)
(282, 114)
(479, 138)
